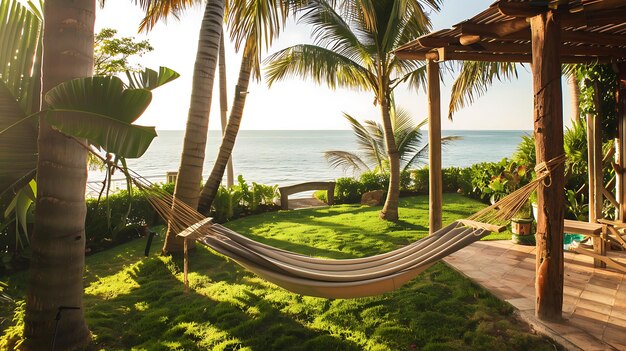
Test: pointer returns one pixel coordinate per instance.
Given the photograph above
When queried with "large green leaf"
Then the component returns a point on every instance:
(150, 79)
(114, 136)
(105, 96)
(20, 53)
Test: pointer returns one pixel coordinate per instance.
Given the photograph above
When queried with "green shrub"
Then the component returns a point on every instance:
(456, 179)
(348, 191)
(241, 199)
(115, 219)
(420, 179)
(373, 181)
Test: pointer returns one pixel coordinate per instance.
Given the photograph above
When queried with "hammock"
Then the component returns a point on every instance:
(343, 278)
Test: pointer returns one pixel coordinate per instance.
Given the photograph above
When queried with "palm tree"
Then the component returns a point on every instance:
(353, 48)
(253, 25)
(372, 154)
(230, 178)
(58, 240)
(194, 145)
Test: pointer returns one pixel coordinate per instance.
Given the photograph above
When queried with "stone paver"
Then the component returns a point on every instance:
(594, 301)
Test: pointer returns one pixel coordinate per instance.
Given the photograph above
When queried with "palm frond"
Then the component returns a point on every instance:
(368, 140)
(345, 160)
(320, 64)
(254, 24)
(416, 79)
(157, 10)
(332, 32)
(474, 80)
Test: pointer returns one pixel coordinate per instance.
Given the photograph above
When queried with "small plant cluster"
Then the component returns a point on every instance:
(243, 199)
(349, 190)
(119, 217)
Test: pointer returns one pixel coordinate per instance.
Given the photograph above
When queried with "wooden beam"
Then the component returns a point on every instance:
(434, 146)
(521, 9)
(580, 37)
(525, 48)
(493, 30)
(469, 39)
(598, 18)
(548, 132)
(604, 4)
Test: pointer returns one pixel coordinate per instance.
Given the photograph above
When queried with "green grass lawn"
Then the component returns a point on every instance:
(139, 303)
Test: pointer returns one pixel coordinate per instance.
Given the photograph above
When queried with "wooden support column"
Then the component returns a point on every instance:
(548, 132)
(620, 145)
(434, 146)
(594, 164)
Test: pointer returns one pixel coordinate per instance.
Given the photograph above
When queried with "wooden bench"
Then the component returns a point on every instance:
(596, 231)
(285, 191)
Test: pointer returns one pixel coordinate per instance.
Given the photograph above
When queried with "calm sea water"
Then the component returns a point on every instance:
(291, 157)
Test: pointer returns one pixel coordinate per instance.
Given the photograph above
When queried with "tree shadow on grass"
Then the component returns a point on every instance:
(222, 310)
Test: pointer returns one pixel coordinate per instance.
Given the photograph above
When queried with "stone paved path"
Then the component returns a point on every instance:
(594, 303)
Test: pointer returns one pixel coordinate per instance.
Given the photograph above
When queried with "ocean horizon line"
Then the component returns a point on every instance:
(347, 130)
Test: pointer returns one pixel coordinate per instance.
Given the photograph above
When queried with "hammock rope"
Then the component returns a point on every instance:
(344, 278)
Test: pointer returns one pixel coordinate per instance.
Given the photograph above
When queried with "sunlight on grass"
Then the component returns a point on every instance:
(137, 303)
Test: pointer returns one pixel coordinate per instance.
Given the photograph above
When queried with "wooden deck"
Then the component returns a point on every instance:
(594, 304)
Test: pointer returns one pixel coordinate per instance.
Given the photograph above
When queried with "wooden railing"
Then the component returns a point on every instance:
(285, 191)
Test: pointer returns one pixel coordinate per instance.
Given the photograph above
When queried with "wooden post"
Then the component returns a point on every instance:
(186, 265)
(620, 145)
(594, 163)
(330, 194)
(548, 131)
(590, 165)
(434, 146)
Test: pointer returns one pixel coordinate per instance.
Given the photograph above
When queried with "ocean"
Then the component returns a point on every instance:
(291, 157)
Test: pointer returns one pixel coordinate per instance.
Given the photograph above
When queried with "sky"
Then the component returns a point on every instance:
(294, 104)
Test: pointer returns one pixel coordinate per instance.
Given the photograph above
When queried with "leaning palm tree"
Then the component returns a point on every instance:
(372, 155)
(353, 48)
(253, 25)
(196, 131)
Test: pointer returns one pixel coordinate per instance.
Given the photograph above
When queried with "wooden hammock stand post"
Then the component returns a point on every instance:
(191, 233)
(546, 34)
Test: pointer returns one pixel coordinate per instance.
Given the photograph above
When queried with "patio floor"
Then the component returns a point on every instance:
(594, 302)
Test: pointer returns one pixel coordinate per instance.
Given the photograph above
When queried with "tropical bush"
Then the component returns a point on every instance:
(241, 199)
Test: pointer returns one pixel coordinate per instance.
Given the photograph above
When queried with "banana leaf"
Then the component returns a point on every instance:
(114, 136)
(150, 79)
(106, 96)
(101, 110)
(20, 54)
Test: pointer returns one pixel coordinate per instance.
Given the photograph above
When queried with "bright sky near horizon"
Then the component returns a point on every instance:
(300, 104)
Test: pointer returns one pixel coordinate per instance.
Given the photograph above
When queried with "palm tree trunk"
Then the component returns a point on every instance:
(390, 209)
(192, 158)
(230, 136)
(58, 241)
(574, 97)
(230, 178)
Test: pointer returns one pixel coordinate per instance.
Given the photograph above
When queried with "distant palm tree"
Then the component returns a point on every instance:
(253, 25)
(196, 131)
(372, 155)
(354, 41)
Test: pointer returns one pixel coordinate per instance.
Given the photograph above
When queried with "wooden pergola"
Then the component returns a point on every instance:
(545, 33)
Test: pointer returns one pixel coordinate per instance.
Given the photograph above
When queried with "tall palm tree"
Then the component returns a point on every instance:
(230, 177)
(196, 131)
(253, 24)
(58, 240)
(372, 148)
(353, 48)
